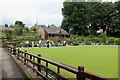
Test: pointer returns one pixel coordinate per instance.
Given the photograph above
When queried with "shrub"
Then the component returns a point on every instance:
(112, 40)
(14, 43)
(6, 36)
(57, 41)
(103, 37)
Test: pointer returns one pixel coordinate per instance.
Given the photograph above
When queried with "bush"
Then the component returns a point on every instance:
(27, 37)
(103, 37)
(14, 43)
(56, 42)
(6, 36)
(111, 40)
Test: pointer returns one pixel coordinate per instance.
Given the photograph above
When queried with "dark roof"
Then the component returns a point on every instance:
(52, 29)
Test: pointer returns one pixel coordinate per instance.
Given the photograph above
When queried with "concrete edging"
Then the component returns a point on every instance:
(27, 72)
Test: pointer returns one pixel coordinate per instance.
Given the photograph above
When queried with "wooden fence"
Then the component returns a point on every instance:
(34, 62)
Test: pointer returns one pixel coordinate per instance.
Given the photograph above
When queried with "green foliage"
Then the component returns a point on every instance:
(33, 29)
(55, 41)
(18, 30)
(37, 36)
(102, 39)
(20, 23)
(6, 36)
(74, 19)
(111, 40)
(27, 37)
(26, 29)
(11, 26)
(14, 43)
(85, 18)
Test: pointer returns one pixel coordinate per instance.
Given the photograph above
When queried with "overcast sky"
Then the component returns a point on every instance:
(31, 11)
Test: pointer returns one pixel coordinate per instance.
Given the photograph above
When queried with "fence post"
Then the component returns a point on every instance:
(39, 61)
(18, 54)
(79, 75)
(34, 61)
(25, 57)
(46, 69)
(58, 71)
(14, 51)
(30, 57)
(11, 50)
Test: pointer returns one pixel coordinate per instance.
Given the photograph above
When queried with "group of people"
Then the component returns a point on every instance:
(39, 44)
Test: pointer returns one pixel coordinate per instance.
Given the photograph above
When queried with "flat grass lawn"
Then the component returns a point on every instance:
(101, 60)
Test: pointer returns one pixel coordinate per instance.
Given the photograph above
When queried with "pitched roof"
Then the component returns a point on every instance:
(52, 29)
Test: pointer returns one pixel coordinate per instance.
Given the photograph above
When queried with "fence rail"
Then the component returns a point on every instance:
(34, 62)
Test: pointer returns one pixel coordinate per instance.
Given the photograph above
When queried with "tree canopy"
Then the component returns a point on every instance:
(85, 18)
(20, 23)
(18, 27)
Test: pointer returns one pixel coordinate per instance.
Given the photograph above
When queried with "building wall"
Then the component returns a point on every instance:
(41, 32)
(0, 32)
(28, 33)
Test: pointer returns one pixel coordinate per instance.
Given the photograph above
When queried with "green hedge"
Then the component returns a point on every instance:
(100, 40)
(6, 36)
(35, 36)
(14, 43)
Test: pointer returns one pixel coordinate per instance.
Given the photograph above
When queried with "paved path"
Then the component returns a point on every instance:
(9, 68)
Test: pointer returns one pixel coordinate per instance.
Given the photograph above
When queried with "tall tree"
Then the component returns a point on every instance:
(75, 18)
(87, 17)
(102, 15)
(114, 27)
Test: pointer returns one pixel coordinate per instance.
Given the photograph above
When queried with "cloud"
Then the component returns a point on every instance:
(47, 11)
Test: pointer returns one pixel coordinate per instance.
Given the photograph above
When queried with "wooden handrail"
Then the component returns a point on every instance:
(54, 63)
(41, 66)
(80, 73)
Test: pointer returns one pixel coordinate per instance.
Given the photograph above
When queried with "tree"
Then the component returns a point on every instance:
(11, 26)
(18, 30)
(114, 26)
(33, 29)
(26, 29)
(67, 20)
(83, 18)
(20, 23)
(75, 20)
(102, 14)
